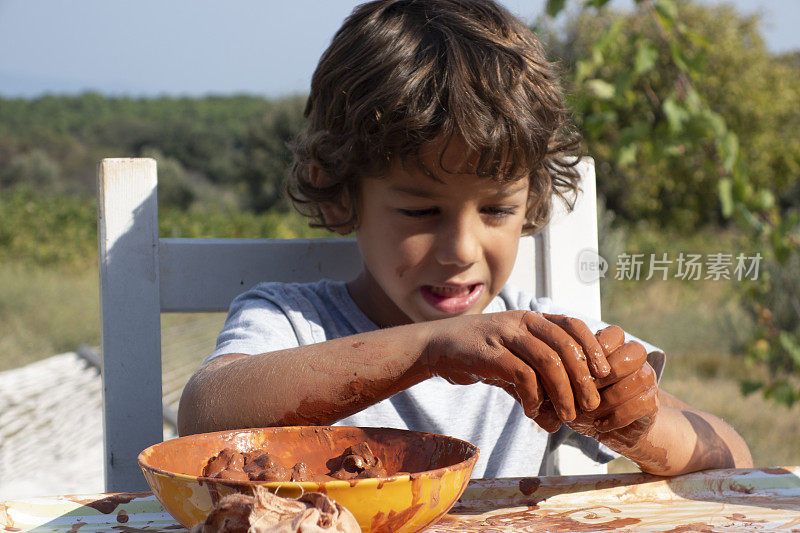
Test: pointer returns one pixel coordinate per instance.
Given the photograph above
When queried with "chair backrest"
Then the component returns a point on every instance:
(142, 276)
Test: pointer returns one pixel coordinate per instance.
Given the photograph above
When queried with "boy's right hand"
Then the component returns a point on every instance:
(526, 353)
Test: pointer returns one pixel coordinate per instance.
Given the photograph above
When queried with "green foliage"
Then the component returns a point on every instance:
(668, 134)
(203, 136)
(60, 231)
(267, 157)
(234, 223)
(774, 300)
(664, 113)
(48, 229)
(31, 169)
(45, 311)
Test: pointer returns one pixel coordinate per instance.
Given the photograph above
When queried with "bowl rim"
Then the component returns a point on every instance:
(309, 485)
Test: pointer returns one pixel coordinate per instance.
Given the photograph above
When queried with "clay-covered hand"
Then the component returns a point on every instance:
(530, 355)
(629, 394)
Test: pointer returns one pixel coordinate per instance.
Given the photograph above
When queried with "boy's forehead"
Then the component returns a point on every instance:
(450, 154)
(445, 158)
(411, 180)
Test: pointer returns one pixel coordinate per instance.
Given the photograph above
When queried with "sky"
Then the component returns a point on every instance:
(198, 47)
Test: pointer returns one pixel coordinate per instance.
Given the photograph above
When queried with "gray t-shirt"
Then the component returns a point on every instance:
(275, 316)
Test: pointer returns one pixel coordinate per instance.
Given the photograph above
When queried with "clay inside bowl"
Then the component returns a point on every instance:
(426, 473)
(398, 450)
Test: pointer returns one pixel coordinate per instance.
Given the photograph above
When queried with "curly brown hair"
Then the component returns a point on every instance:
(400, 74)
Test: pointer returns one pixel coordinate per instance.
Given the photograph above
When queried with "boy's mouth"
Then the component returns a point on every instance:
(452, 299)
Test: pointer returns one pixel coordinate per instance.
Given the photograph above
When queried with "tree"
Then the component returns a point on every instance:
(648, 118)
(650, 94)
(267, 157)
(34, 170)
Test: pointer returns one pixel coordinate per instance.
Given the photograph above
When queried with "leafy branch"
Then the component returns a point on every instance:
(635, 95)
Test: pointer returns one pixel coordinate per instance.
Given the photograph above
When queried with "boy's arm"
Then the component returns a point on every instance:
(521, 352)
(683, 439)
(315, 384)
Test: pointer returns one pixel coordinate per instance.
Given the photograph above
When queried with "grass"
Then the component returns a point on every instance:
(49, 288)
(45, 311)
(700, 324)
(701, 327)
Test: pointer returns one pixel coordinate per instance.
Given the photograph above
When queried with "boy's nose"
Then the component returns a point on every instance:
(458, 244)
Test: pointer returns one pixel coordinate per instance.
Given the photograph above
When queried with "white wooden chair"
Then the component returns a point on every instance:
(142, 276)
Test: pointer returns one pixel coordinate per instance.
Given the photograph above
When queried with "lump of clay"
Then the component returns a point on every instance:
(358, 462)
(300, 472)
(267, 513)
(227, 464)
(262, 466)
(257, 465)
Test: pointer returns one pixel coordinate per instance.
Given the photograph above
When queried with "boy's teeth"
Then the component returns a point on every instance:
(450, 291)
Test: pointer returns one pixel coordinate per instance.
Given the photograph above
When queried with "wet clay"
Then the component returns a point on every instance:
(592, 348)
(529, 485)
(399, 451)
(629, 392)
(739, 517)
(536, 520)
(356, 462)
(76, 526)
(610, 338)
(109, 504)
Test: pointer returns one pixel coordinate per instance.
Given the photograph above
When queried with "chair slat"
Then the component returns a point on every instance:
(129, 304)
(205, 275)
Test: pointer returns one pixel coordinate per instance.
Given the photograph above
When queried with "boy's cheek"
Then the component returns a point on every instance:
(408, 254)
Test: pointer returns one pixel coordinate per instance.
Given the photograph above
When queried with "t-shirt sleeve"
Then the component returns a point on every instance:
(256, 323)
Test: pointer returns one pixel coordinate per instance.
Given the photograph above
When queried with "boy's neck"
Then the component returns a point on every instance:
(374, 302)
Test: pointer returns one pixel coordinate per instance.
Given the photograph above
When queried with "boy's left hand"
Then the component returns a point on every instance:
(629, 396)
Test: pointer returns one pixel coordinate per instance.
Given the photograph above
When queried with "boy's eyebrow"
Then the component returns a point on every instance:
(424, 193)
(413, 191)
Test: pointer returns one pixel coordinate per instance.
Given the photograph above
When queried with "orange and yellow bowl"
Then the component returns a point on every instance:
(440, 468)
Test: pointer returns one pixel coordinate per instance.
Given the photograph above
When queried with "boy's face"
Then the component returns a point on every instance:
(435, 249)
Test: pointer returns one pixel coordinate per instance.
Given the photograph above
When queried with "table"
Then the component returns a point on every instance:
(761, 499)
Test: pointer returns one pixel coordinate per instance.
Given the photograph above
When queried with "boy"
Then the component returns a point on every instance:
(437, 133)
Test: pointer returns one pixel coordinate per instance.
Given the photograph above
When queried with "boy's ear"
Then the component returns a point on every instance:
(333, 212)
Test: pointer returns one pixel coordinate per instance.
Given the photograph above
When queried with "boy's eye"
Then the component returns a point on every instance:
(417, 213)
(499, 211)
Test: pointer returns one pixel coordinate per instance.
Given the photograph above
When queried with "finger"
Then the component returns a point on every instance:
(549, 368)
(547, 418)
(517, 379)
(571, 355)
(628, 387)
(579, 331)
(625, 360)
(610, 338)
(638, 407)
